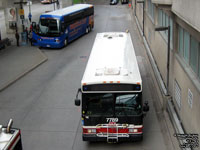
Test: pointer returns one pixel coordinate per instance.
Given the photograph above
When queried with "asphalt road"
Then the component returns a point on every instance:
(42, 103)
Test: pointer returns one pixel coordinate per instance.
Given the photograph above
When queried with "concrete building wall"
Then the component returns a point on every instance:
(189, 116)
(65, 3)
(180, 71)
(179, 7)
(158, 46)
(139, 13)
(2, 25)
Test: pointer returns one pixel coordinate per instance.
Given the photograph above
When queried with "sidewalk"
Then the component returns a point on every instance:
(15, 62)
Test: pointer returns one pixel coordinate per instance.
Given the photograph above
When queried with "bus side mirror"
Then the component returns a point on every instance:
(77, 102)
(146, 106)
(34, 26)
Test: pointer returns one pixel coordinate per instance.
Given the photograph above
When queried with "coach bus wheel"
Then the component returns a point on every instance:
(87, 30)
(66, 42)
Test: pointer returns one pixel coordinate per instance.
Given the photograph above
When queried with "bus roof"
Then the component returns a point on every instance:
(68, 10)
(112, 60)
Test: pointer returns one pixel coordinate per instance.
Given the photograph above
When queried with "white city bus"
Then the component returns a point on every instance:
(10, 138)
(111, 90)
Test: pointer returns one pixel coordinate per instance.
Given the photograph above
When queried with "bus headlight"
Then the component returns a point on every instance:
(91, 130)
(130, 130)
(57, 40)
(133, 130)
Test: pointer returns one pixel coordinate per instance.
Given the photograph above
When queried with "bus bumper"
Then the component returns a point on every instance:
(49, 45)
(94, 138)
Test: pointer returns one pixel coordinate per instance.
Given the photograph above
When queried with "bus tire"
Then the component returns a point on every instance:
(65, 42)
(87, 30)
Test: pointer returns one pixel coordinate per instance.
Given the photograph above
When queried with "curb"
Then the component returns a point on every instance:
(25, 72)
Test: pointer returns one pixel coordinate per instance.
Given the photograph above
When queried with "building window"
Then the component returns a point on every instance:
(189, 49)
(199, 62)
(177, 94)
(186, 43)
(160, 17)
(171, 29)
(194, 47)
(164, 20)
(166, 24)
(151, 9)
(180, 38)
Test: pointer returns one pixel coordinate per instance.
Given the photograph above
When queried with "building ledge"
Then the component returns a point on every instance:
(162, 2)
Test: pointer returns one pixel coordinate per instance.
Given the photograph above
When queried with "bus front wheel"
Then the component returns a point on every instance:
(87, 30)
(65, 42)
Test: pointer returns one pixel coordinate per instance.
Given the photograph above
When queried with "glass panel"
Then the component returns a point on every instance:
(152, 11)
(49, 27)
(186, 45)
(128, 104)
(163, 20)
(171, 30)
(180, 38)
(194, 54)
(160, 17)
(199, 60)
(149, 7)
(107, 104)
(166, 24)
(99, 104)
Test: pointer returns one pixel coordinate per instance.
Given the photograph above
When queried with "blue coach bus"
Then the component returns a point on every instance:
(56, 29)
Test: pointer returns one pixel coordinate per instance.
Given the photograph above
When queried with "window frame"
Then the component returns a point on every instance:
(181, 52)
(163, 21)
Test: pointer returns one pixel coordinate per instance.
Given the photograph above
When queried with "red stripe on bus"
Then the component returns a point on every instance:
(13, 142)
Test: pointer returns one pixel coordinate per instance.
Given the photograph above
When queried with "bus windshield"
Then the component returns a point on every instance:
(113, 104)
(128, 104)
(49, 27)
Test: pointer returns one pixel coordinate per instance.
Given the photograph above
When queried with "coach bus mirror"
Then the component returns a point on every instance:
(146, 106)
(34, 26)
(77, 102)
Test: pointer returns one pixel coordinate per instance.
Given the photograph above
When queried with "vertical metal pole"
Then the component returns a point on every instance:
(29, 15)
(143, 17)
(168, 59)
(21, 7)
(30, 8)
(135, 7)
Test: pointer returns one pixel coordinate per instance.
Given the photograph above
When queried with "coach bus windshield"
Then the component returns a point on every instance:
(113, 104)
(49, 27)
